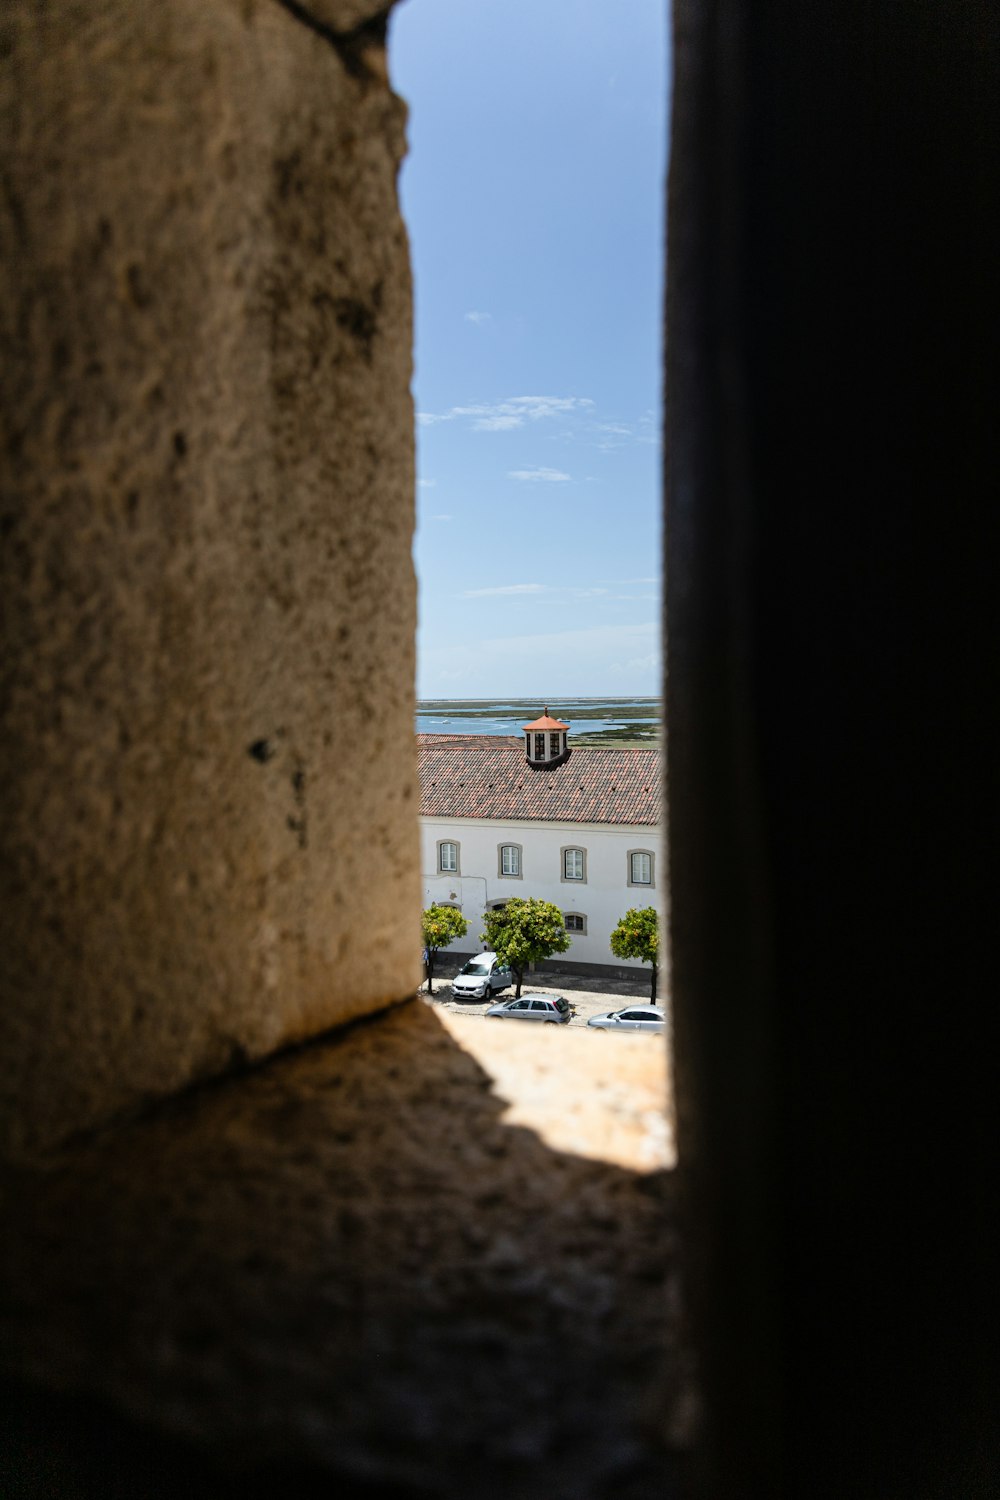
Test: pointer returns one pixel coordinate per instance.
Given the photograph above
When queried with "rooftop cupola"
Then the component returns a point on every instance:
(545, 742)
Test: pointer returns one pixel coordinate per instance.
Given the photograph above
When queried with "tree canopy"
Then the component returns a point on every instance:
(638, 936)
(440, 925)
(525, 931)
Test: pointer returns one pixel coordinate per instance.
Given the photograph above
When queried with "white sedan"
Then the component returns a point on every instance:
(632, 1018)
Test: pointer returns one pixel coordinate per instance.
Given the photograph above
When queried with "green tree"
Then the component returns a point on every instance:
(638, 936)
(440, 926)
(525, 931)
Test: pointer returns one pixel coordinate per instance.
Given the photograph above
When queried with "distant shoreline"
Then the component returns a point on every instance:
(625, 721)
(605, 698)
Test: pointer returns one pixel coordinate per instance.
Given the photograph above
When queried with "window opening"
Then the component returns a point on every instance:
(525, 601)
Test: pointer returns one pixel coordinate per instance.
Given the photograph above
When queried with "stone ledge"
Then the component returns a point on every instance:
(352, 1260)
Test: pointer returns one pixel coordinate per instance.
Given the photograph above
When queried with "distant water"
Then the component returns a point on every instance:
(591, 716)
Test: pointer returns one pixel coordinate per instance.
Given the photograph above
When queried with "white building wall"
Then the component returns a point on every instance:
(602, 898)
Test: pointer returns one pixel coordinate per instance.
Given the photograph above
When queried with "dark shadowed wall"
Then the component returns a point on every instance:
(832, 467)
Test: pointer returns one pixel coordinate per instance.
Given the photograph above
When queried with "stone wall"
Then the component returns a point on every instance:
(832, 644)
(207, 592)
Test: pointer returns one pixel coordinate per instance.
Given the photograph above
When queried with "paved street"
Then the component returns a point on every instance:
(588, 994)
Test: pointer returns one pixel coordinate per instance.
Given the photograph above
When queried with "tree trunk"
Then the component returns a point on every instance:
(520, 976)
(652, 987)
(430, 973)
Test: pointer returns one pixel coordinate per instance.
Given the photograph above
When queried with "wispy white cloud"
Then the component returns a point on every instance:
(594, 595)
(441, 516)
(505, 588)
(514, 411)
(642, 637)
(636, 666)
(501, 422)
(610, 437)
(426, 484)
(569, 419)
(527, 665)
(548, 476)
(478, 318)
(548, 406)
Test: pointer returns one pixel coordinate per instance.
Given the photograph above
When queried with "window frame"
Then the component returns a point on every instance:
(573, 879)
(503, 874)
(577, 916)
(642, 885)
(443, 869)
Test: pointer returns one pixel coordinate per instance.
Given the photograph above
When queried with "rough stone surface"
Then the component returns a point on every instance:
(319, 1262)
(207, 593)
(342, 16)
(581, 1090)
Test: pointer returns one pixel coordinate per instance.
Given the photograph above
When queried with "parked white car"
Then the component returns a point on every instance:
(632, 1018)
(482, 977)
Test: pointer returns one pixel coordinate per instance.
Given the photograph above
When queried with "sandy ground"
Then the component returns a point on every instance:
(582, 1090)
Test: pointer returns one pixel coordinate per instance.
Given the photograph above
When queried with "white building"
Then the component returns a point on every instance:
(580, 827)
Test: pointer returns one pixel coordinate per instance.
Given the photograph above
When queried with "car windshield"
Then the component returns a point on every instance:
(562, 1004)
(474, 968)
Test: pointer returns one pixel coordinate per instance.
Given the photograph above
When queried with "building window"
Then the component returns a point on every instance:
(640, 867)
(574, 864)
(509, 861)
(447, 857)
(539, 747)
(575, 921)
(554, 746)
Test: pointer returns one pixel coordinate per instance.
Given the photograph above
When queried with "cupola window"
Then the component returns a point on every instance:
(545, 741)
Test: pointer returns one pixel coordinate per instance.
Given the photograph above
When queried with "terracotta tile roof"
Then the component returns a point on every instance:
(546, 722)
(487, 776)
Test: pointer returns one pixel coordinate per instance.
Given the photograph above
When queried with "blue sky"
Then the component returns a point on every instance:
(533, 194)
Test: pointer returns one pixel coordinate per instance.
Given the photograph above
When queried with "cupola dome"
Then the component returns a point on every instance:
(545, 741)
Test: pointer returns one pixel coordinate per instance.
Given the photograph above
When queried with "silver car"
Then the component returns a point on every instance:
(632, 1018)
(551, 1010)
(482, 977)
